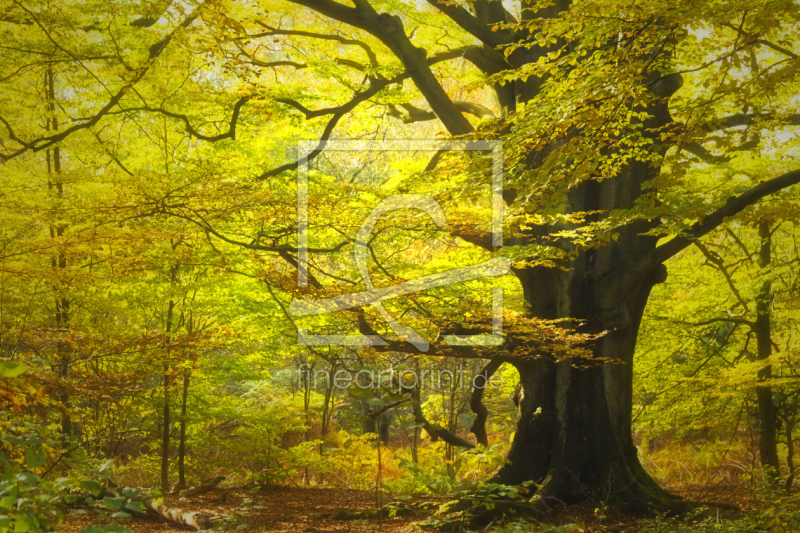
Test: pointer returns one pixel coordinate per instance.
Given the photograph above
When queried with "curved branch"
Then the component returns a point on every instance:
(298, 66)
(208, 229)
(741, 321)
(230, 134)
(751, 39)
(271, 64)
(338, 112)
(373, 59)
(716, 260)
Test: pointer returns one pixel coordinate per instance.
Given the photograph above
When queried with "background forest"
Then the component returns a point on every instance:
(149, 260)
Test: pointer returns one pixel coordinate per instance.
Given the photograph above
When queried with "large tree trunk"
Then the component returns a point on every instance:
(574, 429)
(574, 433)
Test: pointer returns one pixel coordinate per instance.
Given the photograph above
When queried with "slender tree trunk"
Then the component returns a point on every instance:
(368, 424)
(165, 437)
(165, 434)
(59, 262)
(417, 428)
(415, 444)
(767, 412)
(384, 425)
(476, 402)
(182, 444)
(307, 408)
(789, 450)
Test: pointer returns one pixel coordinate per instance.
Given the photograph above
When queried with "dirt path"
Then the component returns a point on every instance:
(281, 509)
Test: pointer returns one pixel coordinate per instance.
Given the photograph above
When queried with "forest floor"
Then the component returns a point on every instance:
(308, 510)
(281, 509)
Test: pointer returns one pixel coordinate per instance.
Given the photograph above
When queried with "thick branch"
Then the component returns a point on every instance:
(193, 519)
(146, 22)
(271, 64)
(745, 119)
(415, 114)
(480, 238)
(389, 30)
(489, 11)
(298, 66)
(736, 204)
(700, 151)
(470, 24)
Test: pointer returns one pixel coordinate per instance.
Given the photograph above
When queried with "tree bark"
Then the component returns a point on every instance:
(367, 422)
(767, 412)
(574, 428)
(574, 432)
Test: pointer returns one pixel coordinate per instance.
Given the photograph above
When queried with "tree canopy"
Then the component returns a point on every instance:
(154, 251)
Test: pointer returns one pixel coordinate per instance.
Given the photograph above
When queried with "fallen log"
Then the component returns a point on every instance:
(192, 519)
(202, 488)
